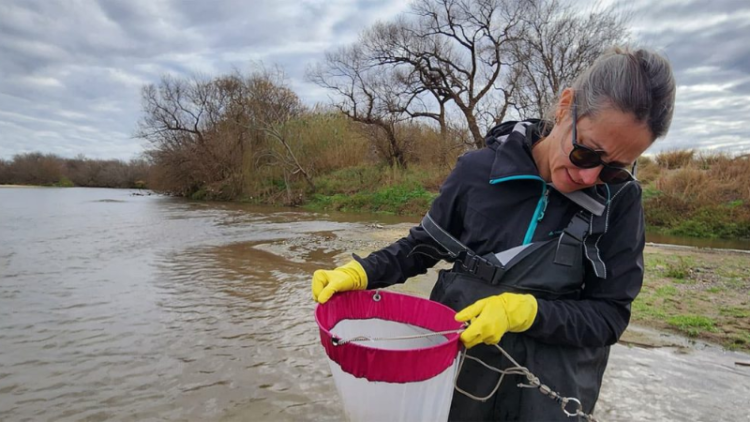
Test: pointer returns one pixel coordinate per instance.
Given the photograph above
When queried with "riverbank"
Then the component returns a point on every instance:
(701, 294)
(684, 193)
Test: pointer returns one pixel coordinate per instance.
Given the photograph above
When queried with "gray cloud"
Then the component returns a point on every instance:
(707, 44)
(71, 72)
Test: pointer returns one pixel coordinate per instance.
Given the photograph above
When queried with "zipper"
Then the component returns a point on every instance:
(541, 206)
(545, 198)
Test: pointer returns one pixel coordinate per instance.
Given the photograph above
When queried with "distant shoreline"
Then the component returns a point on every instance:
(20, 186)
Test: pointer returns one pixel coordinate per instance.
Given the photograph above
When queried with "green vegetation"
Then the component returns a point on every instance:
(64, 182)
(399, 199)
(697, 195)
(679, 269)
(375, 189)
(692, 325)
(701, 294)
(684, 193)
(735, 312)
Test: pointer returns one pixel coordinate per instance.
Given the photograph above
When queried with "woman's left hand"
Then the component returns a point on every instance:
(490, 318)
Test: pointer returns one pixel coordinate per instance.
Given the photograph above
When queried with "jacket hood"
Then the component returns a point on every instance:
(511, 141)
(535, 130)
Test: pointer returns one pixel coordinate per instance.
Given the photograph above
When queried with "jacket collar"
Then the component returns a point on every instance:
(511, 141)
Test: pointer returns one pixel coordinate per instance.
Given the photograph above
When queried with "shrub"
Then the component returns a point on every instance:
(647, 170)
(675, 158)
(64, 182)
(706, 198)
(680, 269)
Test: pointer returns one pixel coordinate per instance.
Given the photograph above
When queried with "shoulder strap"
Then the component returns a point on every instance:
(584, 201)
(599, 227)
(452, 245)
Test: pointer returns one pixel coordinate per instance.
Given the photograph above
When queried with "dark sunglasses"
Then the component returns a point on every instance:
(587, 158)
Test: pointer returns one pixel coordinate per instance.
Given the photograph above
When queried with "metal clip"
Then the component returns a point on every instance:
(564, 404)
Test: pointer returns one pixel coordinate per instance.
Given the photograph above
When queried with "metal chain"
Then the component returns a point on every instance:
(533, 380)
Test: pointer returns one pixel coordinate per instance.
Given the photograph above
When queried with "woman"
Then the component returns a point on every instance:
(565, 297)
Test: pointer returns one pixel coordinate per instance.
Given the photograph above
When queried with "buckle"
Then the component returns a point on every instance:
(476, 265)
(578, 228)
(469, 263)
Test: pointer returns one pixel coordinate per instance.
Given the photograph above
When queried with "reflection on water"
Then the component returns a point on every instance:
(115, 307)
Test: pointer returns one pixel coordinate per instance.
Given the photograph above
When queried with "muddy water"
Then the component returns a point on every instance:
(130, 308)
(736, 244)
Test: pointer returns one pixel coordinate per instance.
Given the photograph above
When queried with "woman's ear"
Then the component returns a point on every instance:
(563, 106)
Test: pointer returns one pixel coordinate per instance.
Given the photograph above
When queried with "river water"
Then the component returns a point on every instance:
(136, 308)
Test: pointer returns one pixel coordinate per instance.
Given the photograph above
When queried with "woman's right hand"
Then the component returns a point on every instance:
(326, 283)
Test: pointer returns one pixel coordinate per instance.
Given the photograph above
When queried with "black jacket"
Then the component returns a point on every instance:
(494, 200)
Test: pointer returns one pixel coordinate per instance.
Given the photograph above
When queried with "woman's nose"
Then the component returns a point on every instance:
(590, 176)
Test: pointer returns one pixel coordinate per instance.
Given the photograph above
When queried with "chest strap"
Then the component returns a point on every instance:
(585, 228)
(454, 251)
(488, 266)
(452, 246)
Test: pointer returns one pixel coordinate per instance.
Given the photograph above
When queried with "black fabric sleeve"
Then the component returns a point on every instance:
(393, 265)
(603, 311)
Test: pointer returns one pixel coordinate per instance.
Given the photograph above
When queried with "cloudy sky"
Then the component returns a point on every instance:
(71, 71)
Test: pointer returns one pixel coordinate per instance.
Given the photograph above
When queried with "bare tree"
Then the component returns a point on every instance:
(4, 172)
(560, 43)
(368, 95)
(206, 134)
(181, 118)
(273, 108)
(34, 168)
(458, 49)
(486, 58)
(198, 132)
(272, 105)
(48, 169)
(417, 95)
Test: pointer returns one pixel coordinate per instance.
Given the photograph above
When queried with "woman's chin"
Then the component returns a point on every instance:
(564, 183)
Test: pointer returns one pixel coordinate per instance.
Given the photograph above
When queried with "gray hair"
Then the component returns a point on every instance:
(632, 81)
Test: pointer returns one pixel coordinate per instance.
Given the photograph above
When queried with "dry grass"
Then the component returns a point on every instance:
(320, 142)
(426, 147)
(647, 170)
(675, 158)
(708, 196)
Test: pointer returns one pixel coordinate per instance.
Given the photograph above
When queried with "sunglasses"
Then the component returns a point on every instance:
(587, 158)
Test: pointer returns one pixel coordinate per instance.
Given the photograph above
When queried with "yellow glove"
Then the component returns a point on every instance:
(494, 316)
(348, 277)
